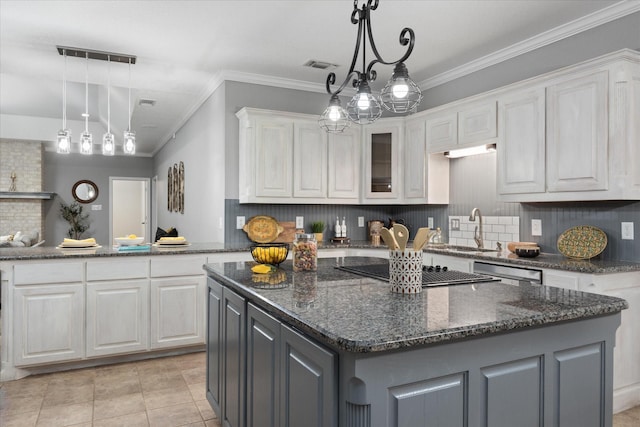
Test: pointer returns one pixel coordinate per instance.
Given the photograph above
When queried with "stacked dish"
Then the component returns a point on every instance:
(171, 242)
(78, 244)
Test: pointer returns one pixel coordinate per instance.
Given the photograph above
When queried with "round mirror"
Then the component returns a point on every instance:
(85, 191)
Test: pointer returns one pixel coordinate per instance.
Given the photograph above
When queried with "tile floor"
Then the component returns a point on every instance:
(160, 392)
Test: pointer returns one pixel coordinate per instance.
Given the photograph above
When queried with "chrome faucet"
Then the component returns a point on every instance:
(477, 235)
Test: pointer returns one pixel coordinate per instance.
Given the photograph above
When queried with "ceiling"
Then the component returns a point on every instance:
(185, 49)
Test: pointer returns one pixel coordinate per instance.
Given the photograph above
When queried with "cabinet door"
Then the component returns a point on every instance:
(177, 311)
(415, 152)
(234, 321)
(521, 148)
(263, 369)
(117, 317)
(48, 324)
(308, 385)
(442, 132)
(274, 158)
(214, 345)
(381, 161)
(577, 134)
(477, 123)
(309, 160)
(344, 164)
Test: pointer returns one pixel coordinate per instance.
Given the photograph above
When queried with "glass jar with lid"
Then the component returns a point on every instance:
(305, 253)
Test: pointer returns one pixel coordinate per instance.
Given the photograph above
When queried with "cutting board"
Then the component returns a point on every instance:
(288, 234)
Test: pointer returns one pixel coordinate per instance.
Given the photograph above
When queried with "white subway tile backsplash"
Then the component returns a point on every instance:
(496, 229)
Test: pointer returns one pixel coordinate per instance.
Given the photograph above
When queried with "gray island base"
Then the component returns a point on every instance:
(334, 349)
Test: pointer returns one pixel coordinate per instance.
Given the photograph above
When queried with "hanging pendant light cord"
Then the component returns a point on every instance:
(109, 95)
(129, 102)
(86, 96)
(64, 92)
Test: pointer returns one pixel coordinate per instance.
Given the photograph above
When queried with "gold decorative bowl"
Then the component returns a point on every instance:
(270, 253)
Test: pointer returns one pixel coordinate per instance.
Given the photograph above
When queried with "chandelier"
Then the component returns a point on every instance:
(399, 95)
(86, 139)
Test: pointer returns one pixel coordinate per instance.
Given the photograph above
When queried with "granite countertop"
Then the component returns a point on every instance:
(358, 314)
(544, 260)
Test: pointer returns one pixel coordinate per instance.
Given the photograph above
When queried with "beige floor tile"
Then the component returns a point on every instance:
(195, 375)
(74, 377)
(167, 397)
(108, 387)
(117, 406)
(177, 415)
(121, 369)
(26, 387)
(156, 365)
(213, 423)
(10, 405)
(192, 360)
(131, 420)
(198, 424)
(205, 410)
(159, 380)
(23, 419)
(198, 391)
(66, 394)
(66, 415)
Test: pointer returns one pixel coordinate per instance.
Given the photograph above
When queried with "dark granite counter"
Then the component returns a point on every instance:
(357, 314)
(545, 260)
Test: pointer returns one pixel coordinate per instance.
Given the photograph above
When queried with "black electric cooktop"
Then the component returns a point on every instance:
(431, 276)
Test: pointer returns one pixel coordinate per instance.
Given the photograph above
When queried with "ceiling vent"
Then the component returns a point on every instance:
(147, 102)
(321, 65)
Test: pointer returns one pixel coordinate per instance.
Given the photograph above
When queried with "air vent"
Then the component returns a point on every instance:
(147, 102)
(321, 65)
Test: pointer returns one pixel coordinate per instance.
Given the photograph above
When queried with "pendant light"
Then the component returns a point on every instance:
(64, 135)
(334, 119)
(108, 141)
(129, 136)
(400, 95)
(86, 139)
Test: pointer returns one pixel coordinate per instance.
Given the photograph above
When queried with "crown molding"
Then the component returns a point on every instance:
(608, 14)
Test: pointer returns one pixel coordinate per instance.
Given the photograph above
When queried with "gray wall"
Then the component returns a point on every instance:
(59, 174)
(615, 35)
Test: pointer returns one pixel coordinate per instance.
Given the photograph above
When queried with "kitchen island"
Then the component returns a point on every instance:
(335, 349)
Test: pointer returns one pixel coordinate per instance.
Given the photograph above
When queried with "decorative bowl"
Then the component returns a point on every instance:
(527, 251)
(126, 241)
(270, 253)
(512, 245)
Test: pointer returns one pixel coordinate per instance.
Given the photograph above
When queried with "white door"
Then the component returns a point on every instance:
(129, 203)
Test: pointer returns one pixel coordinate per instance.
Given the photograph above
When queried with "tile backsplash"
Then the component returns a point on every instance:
(496, 229)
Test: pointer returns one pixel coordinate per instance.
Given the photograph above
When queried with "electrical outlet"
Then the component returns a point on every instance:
(430, 222)
(536, 227)
(627, 230)
(299, 222)
(360, 221)
(96, 207)
(239, 222)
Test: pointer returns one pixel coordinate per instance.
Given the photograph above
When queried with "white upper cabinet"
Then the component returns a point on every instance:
(461, 125)
(577, 133)
(309, 160)
(344, 165)
(573, 134)
(382, 160)
(274, 164)
(521, 145)
(426, 176)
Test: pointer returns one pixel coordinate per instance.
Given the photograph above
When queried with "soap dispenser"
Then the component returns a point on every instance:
(343, 228)
(338, 228)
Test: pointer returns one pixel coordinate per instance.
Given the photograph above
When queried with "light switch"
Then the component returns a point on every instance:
(430, 222)
(239, 222)
(536, 227)
(299, 222)
(360, 221)
(627, 230)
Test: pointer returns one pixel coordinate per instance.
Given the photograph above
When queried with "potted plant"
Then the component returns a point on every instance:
(77, 220)
(317, 228)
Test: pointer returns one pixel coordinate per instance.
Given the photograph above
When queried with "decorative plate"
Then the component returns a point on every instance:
(582, 242)
(262, 229)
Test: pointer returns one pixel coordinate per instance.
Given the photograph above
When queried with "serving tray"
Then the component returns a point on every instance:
(262, 229)
(582, 242)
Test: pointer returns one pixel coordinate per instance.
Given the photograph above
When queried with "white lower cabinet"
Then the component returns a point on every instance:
(117, 317)
(177, 311)
(48, 323)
